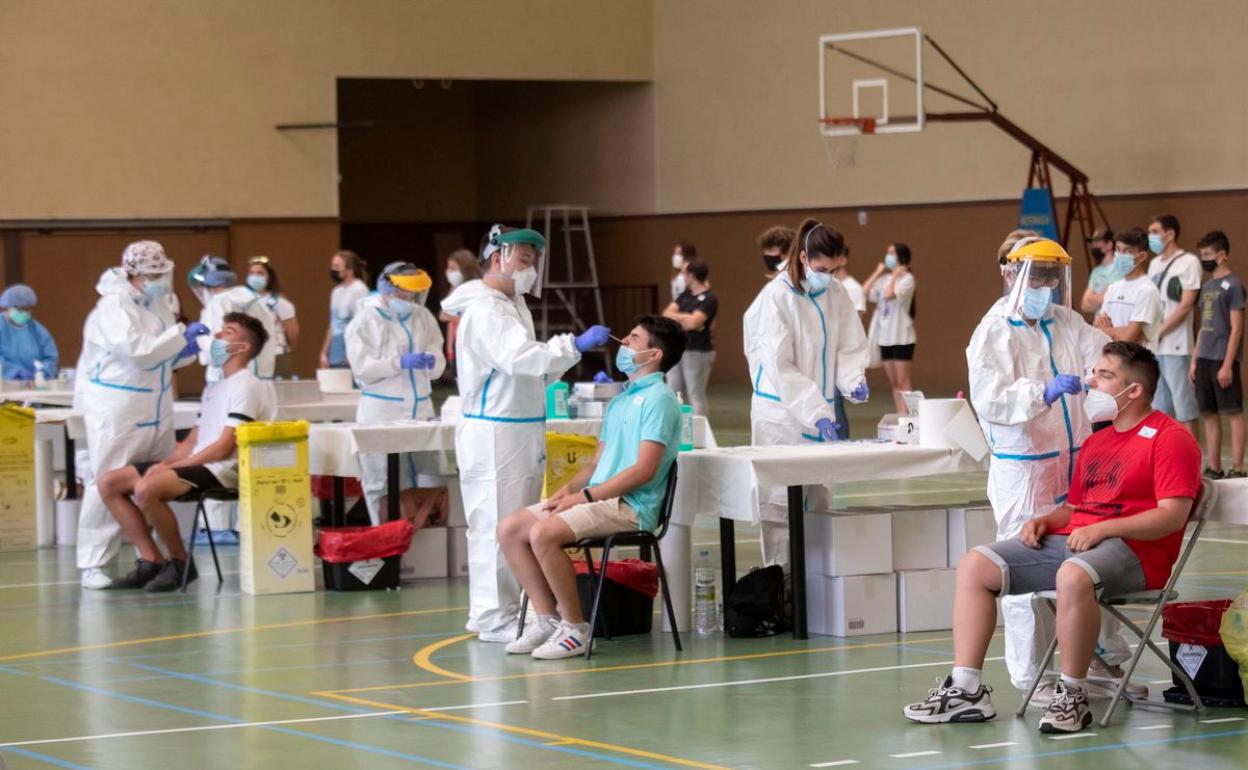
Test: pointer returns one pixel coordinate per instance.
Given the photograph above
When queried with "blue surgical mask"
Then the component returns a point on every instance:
(1123, 262)
(401, 306)
(890, 261)
(219, 352)
(257, 282)
(156, 287)
(818, 281)
(1036, 302)
(19, 316)
(625, 361)
(1155, 243)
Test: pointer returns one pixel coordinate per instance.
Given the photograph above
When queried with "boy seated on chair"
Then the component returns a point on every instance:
(1119, 531)
(621, 489)
(138, 495)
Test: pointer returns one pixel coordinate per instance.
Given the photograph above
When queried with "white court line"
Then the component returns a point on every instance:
(837, 763)
(1001, 745)
(930, 753)
(200, 728)
(1223, 540)
(1162, 681)
(1221, 721)
(67, 582)
(1156, 727)
(475, 705)
(1071, 737)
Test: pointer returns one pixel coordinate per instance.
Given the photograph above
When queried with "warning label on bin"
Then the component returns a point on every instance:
(366, 570)
(1190, 656)
(283, 562)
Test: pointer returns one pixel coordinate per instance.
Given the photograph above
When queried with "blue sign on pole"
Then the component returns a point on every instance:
(1035, 212)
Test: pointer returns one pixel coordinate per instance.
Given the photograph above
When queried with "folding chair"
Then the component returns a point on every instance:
(227, 494)
(639, 537)
(1201, 506)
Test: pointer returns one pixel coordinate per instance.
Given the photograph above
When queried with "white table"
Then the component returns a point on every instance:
(53, 424)
(52, 396)
(727, 483)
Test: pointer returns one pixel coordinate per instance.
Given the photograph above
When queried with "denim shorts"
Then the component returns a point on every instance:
(1114, 568)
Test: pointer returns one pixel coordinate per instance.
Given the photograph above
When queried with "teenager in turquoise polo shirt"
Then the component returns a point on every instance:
(620, 489)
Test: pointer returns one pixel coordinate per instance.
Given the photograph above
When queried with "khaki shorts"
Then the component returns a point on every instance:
(596, 519)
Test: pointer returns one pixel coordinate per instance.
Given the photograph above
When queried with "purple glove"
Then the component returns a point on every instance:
(1062, 383)
(594, 337)
(827, 429)
(602, 377)
(417, 361)
(194, 331)
(861, 393)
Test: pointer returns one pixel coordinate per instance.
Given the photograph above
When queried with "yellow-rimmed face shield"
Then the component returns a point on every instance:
(1036, 277)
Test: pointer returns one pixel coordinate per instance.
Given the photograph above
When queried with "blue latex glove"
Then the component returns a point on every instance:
(594, 337)
(417, 361)
(861, 393)
(1062, 383)
(827, 429)
(602, 377)
(23, 374)
(191, 349)
(194, 331)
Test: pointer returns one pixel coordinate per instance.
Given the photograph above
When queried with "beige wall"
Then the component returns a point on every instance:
(150, 108)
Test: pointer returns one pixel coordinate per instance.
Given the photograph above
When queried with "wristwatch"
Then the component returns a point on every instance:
(587, 495)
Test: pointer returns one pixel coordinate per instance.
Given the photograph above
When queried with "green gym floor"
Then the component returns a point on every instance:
(218, 679)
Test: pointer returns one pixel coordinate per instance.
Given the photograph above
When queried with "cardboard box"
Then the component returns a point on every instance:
(426, 558)
(925, 600)
(969, 527)
(920, 539)
(848, 544)
(274, 508)
(457, 551)
(851, 606)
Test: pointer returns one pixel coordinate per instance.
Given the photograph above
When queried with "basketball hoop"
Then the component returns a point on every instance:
(840, 137)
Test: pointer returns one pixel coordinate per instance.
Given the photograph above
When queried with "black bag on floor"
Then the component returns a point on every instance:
(756, 606)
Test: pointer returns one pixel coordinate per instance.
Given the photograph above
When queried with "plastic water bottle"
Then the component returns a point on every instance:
(705, 608)
(686, 425)
(41, 380)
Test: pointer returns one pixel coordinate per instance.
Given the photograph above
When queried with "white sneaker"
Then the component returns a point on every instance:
(1044, 693)
(533, 637)
(1102, 682)
(500, 635)
(568, 641)
(96, 579)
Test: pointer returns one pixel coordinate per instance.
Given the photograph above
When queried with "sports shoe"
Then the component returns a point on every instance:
(1210, 473)
(533, 637)
(1103, 682)
(170, 577)
(1235, 473)
(1068, 712)
(501, 635)
(567, 641)
(142, 574)
(96, 579)
(950, 704)
(1044, 692)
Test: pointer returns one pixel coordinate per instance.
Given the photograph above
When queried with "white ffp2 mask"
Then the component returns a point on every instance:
(1099, 406)
(524, 279)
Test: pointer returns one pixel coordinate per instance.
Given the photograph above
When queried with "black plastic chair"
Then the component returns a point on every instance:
(639, 537)
(226, 494)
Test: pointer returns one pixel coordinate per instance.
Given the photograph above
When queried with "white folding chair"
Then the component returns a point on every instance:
(1158, 599)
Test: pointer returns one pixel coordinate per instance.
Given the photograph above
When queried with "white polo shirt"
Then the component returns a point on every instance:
(228, 403)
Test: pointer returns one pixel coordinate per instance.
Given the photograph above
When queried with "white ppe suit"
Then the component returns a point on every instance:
(1033, 446)
(801, 347)
(500, 442)
(376, 339)
(240, 299)
(122, 387)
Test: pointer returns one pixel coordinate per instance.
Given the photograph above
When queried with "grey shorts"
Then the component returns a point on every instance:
(1112, 565)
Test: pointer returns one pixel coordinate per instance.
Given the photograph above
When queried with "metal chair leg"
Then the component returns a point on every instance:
(593, 613)
(212, 546)
(524, 610)
(1035, 681)
(593, 588)
(667, 598)
(190, 544)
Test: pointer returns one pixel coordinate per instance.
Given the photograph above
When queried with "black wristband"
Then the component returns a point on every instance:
(587, 495)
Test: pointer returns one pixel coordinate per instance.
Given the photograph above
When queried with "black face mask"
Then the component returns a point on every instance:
(772, 262)
(335, 276)
(1209, 265)
(1098, 253)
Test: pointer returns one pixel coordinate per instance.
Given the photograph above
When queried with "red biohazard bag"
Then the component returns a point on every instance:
(323, 487)
(1194, 622)
(635, 574)
(346, 544)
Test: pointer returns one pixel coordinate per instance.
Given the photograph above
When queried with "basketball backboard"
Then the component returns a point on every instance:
(877, 75)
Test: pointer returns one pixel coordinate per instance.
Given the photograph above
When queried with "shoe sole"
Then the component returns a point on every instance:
(577, 653)
(1049, 728)
(968, 715)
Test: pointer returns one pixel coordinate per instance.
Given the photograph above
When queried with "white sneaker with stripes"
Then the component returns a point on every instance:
(567, 642)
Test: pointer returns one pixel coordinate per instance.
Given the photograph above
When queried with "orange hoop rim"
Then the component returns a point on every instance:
(864, 125)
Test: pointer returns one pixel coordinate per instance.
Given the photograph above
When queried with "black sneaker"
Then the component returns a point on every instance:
(1236, 473)
(1210, 473)
(1068, 712)
(143, 573)
(949, 704)
(170, 577)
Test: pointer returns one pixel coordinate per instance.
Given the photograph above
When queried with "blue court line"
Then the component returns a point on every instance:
(45, 758)
(1086, 750)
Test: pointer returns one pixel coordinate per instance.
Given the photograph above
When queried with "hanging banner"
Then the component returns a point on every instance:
(1035, 212)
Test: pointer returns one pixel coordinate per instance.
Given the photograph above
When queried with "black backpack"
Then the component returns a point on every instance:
(756, 606)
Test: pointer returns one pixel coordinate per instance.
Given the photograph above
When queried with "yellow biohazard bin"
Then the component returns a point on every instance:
(274, 508)
(566, 454)
(17, 477)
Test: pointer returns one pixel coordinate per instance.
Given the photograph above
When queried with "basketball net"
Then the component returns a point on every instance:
(842, 148)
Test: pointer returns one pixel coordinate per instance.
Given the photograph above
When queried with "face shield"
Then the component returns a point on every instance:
(403, 283)
(1036, 276)
(522, 258)
(211, 273)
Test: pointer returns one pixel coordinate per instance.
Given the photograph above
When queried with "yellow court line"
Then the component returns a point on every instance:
(422, 658)
(462, 678)
(220, 632)
(551, 738)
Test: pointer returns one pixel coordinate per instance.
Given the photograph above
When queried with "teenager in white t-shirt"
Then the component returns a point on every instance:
(1177, 275)
(1131, 307)
(350, 277)
(891, 289)
(138, 495)
(263, 280)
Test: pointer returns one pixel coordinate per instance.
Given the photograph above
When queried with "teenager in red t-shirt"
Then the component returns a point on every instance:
(1119, 531)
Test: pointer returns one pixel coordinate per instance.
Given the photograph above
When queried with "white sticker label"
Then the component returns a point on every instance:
(366, 570)
(1226, 285)
(283, 562)
(1190, 657)
(638, 400)
(274, 455)
(1147, 432)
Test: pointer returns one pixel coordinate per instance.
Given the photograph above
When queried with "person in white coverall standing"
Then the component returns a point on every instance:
(500, 442)
(1027, 363)
(130, 346)
(216, 285)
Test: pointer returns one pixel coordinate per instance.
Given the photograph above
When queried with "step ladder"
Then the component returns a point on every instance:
(571, 297)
